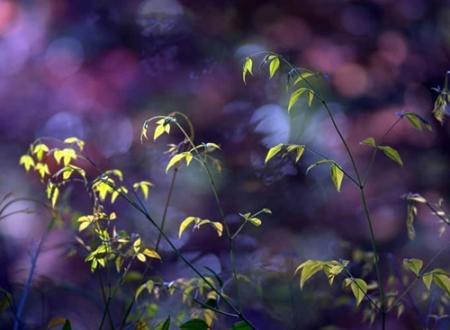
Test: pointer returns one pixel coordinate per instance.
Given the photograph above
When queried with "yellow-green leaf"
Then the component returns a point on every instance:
(308, 269)
(427, 279)
(42, 169)
(39, 150)
(336, 176)
(255, 221)
(310, 97)
(413, 264)
(272, 152)
(359, 289)
(141, 257)
(184, 224)
(247, 68)
(144, 186)
(152, 254)
(27, 161)
(274, 65)
(442, 281)
(294, 97)
(439, 107)
(177, 158)
(392, 154)
(370, 141)
(74, 140)
(218, 227)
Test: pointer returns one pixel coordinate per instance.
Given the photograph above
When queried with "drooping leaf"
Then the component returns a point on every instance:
(413, 264)
(194, 324)
(300, 149)
(417, 121)
(440, 106)
(175, 160)
(42, 169)
(27, 161)
(295, 96)
(272, 152)
(39, 150)
(370, 141)
(184, 224)
(427, 279)
(392, 154)
(152, 254)
(143, 186)
(413, 197)
(75, 140)
(218, 227)
(443, 281)
(247, 68)
(359, 288)
(273, 65)
(310, 97)
(336, 176)
(308, 269)
(149, 285)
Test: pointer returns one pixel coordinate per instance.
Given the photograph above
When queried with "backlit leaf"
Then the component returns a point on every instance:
(359, 289)
(413, 264)
(184, 224)
(392, 154)
(27, 161)
(273, 65)
(370, 141)
(247, 68)
(165, 325)
(272, 152)
(152, 254)
(336, 176)
(308, 269)
(294, 97)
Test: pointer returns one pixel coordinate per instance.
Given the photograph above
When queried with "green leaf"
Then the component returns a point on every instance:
(300, 149)
(184, 224)
(310, 97)
(442, 281)
(359, 288)
(294, 97)
(392, 154)
(194, 324)
(255, 221)
(272, 152)
(417, 121)
(336, 176)
(165, 325)
(247, 68)
(308, 269)
(143, 186)
(370, 141)
(74, 140)
(27, 161)
(274, 65)
(439, 108)
(427, 279)
(174, 160)
(241, 325)
(413, 264)
(146, 286)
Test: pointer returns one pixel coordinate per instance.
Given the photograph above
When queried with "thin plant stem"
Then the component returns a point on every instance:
(361, 189)
(177, 252)
(219, 207)
(166, 207)
(413, 282)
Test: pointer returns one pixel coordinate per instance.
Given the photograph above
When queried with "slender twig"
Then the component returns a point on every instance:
(360, 185)
(413, 282)
(177, 252)
(166, 206)
(375, 150)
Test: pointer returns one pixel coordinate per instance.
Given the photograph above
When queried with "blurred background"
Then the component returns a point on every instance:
(98, 69)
